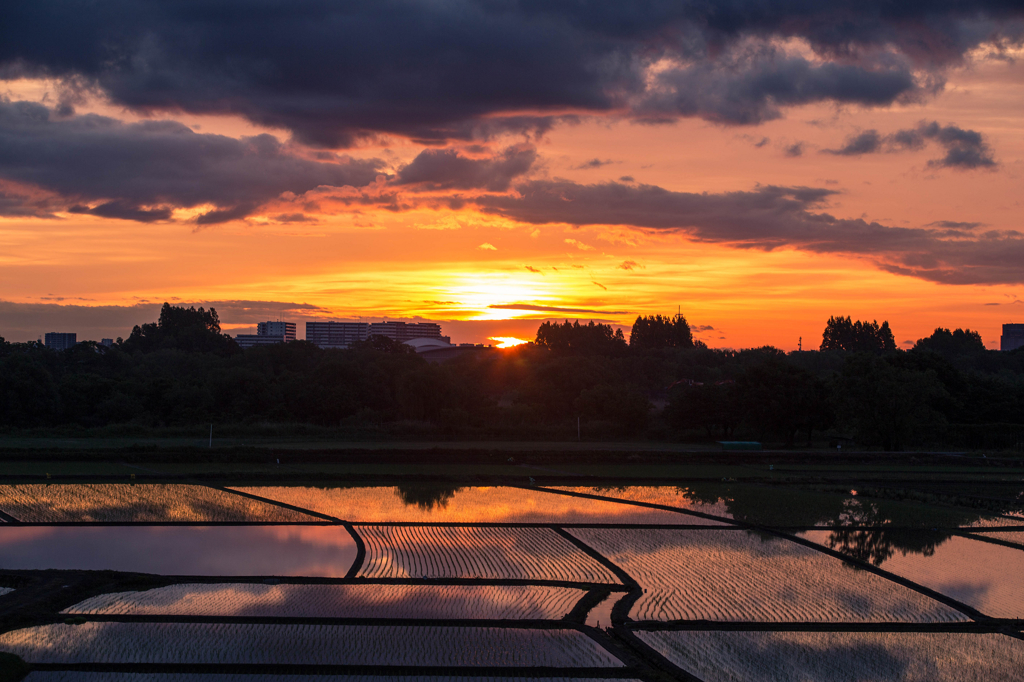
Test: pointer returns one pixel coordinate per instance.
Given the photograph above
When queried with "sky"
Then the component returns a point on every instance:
(757, 165)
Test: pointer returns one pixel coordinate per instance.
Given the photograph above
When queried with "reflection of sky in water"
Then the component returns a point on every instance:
(352, 601)
(735, 575)
(473, 505)
(135, 502)
(908, 656)
(223, 550)
(986, 576)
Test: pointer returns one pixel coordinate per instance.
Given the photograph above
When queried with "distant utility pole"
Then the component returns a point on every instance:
(211, 435)
(800, 344)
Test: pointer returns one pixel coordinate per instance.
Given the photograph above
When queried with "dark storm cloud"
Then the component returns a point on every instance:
(140, 171)
(965, 149)
(769, 218)
(447, 169)
(334, 72)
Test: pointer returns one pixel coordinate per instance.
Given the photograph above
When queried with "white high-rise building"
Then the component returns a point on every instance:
(60, 340)
(1012, 338)
(268, 333)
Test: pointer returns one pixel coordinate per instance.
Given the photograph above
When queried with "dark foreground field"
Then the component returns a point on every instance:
(418, 562)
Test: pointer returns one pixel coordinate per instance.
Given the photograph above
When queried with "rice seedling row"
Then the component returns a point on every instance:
(707, 575)
(983, 575)
(440, 552)
(186, 644)
(704, 518)
(144, 502)
(840, 657)
(335, 601)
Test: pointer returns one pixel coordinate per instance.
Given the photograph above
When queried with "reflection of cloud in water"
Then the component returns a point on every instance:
(912, 657)
(354, 601)
(732, 575)
(467, 505)
(224, 550)
(980, 574)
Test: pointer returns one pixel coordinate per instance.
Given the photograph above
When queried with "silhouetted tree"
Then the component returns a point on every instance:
(951, 344)
(573, 338)
(657, 331)
(841, 333)
(383, 344)
(188, 329)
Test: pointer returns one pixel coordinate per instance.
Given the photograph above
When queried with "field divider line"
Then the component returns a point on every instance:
(620, 612)
(168, 581)
(650, 655)
(963, 608)
(8, 518)
(102, 524)
(499, 623)
(357, 563)
(634, 503)
(992, 541)
(278, 503)
(361, 670)
(993, 626)
(588, 601)
(538, 524)
(990, 529)
(894, 527)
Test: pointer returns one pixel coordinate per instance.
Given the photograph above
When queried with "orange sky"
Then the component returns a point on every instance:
(451, 264)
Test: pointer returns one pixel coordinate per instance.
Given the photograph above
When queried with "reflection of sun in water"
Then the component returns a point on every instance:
(507, 341)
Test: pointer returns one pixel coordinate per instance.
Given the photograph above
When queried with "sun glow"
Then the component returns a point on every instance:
(507, 341)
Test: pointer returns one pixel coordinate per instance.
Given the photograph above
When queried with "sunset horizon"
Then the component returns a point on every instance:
(755, 171)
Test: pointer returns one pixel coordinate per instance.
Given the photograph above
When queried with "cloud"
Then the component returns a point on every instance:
(599, 284)
(701, 328)
(487, 247)
(337, 73)
(768, 218)
(794, 150)
(30, 321)
(593, 163)
(533, 269)
(142, 171)
(867, 142)
(579, 245)
(629, 265)
(965, 149)
(436, 169)
(555, 309)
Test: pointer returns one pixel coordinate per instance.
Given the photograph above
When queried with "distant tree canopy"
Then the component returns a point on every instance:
(180, 328)
(951, 344)
(383, 344)
(573, 338)
(657, 331)
(841, 333)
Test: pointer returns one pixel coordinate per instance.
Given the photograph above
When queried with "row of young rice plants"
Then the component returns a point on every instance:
(472, 552)
(667, 495)
(464, 505)
(128, 502)
(984, 575)
(736, 575)
(340, 601)
(841, 656)
(74, 676)
(202, 643)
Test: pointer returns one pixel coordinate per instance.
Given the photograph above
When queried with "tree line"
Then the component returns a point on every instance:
(659, 383)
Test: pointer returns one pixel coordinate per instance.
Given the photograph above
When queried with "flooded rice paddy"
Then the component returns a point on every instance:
(718, 581)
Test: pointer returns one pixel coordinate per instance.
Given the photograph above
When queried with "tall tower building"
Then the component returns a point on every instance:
(1012, 338)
